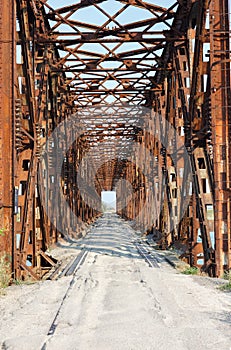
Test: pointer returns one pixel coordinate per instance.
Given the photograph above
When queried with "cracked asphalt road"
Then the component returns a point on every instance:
(116, 301)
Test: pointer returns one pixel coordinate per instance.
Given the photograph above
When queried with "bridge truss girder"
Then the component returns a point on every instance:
(54, 65)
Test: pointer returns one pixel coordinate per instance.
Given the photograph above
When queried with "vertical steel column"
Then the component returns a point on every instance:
(6, 123)
(220, 107)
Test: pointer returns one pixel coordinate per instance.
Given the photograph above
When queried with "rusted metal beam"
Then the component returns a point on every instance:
(7, 156)
(111, 63)
(220, 114)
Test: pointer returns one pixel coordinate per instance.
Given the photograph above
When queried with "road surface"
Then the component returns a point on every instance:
(116, 301)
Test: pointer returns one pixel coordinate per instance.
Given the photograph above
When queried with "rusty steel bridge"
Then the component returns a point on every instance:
(128, 95)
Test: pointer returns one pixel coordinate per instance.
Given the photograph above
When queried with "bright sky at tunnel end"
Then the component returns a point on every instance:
(109, 197)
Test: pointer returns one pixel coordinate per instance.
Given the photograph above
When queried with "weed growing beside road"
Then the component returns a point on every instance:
(192, 270)
(227, 286)
(5, 271)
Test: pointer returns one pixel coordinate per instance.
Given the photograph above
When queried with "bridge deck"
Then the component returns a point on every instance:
(115, 300)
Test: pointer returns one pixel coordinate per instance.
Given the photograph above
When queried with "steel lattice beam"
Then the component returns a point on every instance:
(55, 64)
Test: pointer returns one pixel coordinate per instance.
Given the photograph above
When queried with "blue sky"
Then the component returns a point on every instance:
(92, 15)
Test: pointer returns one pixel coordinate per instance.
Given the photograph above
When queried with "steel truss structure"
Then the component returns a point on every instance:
(123, 71)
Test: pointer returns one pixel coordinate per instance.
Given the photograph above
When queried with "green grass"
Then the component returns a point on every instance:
(227, 286)
(25, 281)
(5, 271)
(227, 276)
(192, 270)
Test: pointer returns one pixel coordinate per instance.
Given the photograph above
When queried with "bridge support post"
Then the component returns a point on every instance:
(6, 128)
(220, 112)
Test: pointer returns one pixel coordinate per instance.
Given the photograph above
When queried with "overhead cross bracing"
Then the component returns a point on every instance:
(114, 59)
(132, 96)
